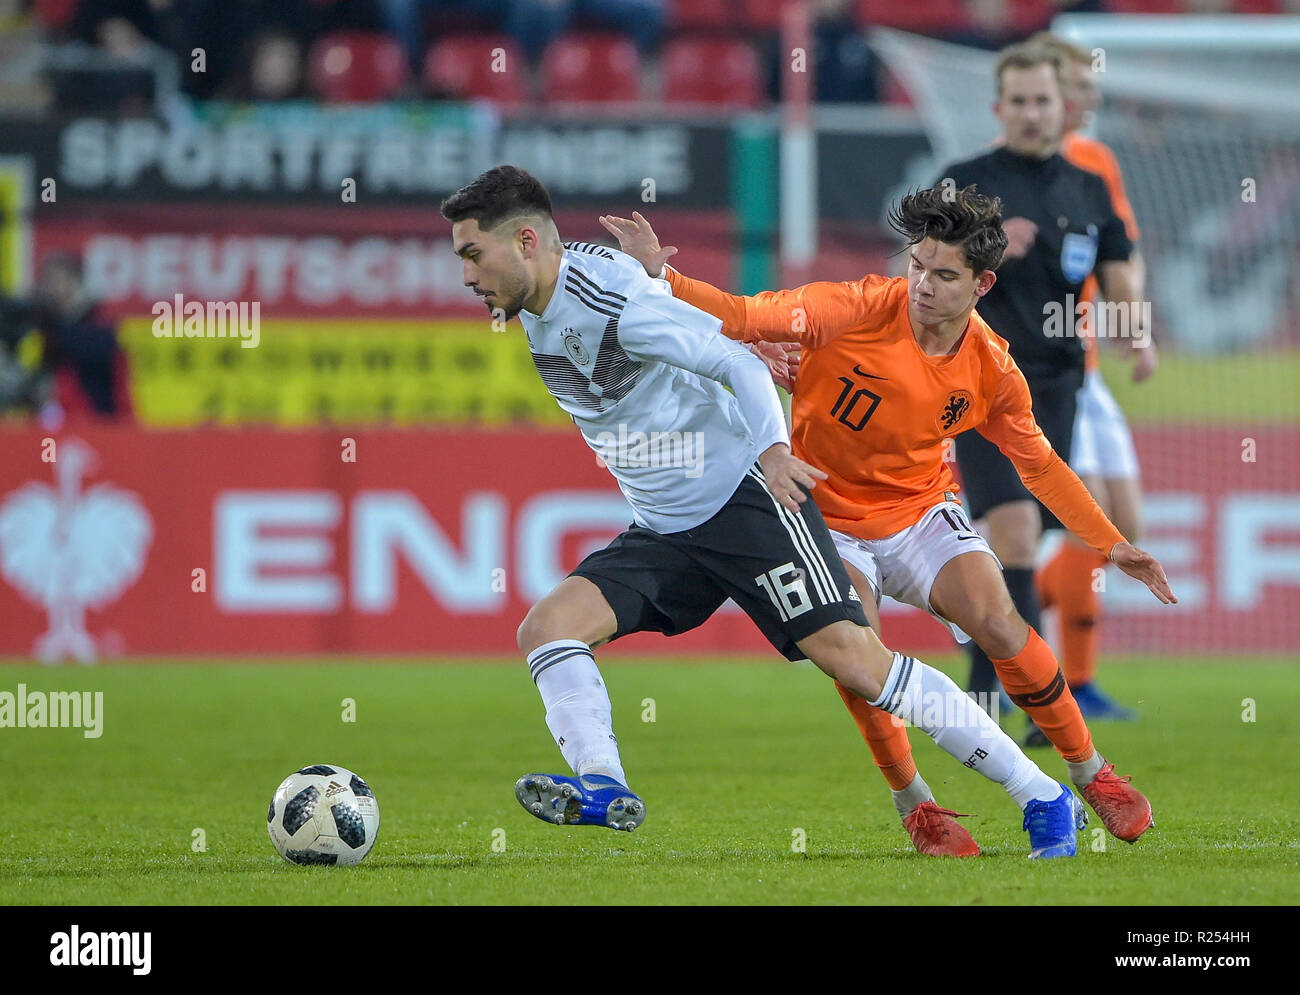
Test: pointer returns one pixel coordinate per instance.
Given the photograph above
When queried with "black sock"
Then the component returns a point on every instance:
(1020, 582)
(983, 676)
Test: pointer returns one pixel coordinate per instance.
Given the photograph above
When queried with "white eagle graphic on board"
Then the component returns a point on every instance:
(68, 550)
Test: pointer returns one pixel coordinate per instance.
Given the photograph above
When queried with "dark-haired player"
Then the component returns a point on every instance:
(1062, 227)
(892, 370)
(625, 358)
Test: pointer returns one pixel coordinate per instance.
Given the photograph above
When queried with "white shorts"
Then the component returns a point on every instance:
(905, 564)
(1103, 444)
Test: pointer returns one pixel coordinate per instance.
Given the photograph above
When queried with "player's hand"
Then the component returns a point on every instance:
(781, 360)
(1147, 359)
(638, 240)
(1141, 565)
(1021, 233)
(784, 474)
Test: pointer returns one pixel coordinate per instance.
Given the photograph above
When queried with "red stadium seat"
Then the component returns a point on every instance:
(762, 15)
(1258, 6)
(482, 67)
(357, 66)
(701, 13)
(1029, 16)
(595, 68)
(709, 71)
(933, 17)
(55, 14)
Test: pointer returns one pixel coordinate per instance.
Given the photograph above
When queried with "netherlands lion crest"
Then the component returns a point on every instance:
(954, 410)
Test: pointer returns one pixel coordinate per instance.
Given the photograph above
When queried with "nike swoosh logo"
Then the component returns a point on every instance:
(863, 373)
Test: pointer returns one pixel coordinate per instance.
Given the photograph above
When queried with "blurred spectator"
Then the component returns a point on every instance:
(230, 32)
(82, 371)
(845, 69)
(992, 25)
(20, 375)
(131, 37)
(119, 27)
(20, 58)
(533, 24)
(272, 70)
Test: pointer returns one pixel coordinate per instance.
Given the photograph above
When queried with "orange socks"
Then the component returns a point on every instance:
(1034, 681)
(887, 739)
(1066, 582)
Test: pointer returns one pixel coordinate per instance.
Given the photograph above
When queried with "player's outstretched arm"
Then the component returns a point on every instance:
(811, 315)
(638, 240)
(1064, 494)
(1141, 565)
(1011, 427)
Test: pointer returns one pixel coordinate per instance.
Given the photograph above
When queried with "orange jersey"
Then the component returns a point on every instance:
(1096, 157)
(876, 413)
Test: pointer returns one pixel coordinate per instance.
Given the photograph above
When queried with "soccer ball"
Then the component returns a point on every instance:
(323, 814)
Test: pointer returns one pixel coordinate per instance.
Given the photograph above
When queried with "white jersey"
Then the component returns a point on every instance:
(642, 375)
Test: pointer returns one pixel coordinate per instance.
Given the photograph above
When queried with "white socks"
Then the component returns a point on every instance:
(1081, 774)
(578, 713)
(577, 707)
(930, 700)
(911, 796)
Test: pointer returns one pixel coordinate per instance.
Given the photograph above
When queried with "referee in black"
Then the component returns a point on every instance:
(1060, 227)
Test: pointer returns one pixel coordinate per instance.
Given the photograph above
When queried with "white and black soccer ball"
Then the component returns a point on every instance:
(323, 814)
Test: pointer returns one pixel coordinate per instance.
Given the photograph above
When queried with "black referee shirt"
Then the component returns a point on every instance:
(1077, 231)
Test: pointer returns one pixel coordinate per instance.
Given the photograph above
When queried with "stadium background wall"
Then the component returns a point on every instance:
(367, 333)
(435, 542)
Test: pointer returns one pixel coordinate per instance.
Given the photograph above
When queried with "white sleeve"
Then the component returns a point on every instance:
(658, 326)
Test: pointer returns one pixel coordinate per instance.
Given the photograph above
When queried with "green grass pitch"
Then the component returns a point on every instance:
(741, 761)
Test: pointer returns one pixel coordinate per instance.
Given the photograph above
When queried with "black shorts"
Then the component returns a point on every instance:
(987, 477)
(779, 566)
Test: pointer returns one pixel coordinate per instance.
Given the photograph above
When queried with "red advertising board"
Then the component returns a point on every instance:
(305, 261)
(118, 541)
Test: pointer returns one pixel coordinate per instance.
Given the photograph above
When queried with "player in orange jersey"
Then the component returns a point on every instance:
(891, 370)
(1102, 454)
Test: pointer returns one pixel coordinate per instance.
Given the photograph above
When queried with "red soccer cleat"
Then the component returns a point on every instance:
(1124, 810)
(935, 832)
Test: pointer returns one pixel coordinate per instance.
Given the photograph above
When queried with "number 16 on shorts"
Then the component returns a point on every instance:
(785, 586)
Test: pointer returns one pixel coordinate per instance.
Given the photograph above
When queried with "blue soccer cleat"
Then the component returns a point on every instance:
(1054, 826)
(592, 800)
(1094, 703)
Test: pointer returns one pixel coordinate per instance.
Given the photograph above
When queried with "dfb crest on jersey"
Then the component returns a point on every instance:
(574, 347)
(1079, 254)
(954, 409)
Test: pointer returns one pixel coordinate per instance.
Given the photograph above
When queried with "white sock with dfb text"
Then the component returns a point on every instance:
(578, 710)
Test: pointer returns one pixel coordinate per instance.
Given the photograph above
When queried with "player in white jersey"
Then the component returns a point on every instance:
(630, 362)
